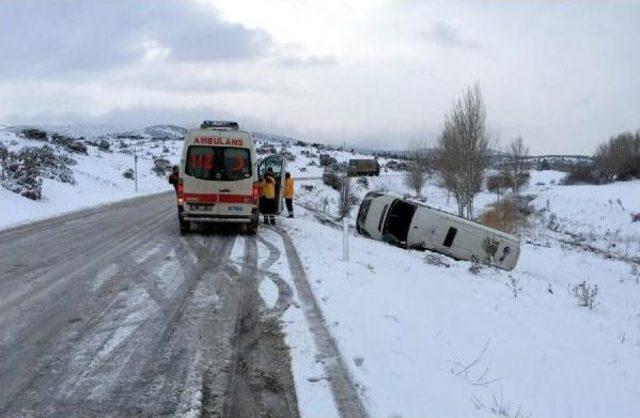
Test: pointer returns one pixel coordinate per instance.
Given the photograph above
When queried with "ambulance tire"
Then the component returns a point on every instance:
(185, 227)
(252, 227)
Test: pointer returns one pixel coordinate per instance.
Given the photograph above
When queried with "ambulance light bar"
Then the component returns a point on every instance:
(219, 124)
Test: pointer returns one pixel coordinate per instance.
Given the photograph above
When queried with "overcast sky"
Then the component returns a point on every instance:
(563, 74)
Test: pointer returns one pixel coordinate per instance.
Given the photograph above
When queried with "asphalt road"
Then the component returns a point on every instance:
(110, 312)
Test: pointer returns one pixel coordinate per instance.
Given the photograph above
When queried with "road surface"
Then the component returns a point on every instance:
(110, 312)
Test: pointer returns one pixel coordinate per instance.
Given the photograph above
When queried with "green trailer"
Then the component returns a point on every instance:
(363, 167)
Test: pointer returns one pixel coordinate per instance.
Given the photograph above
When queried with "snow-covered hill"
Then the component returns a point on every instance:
(96, 158)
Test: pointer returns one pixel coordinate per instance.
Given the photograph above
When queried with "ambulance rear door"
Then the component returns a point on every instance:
(277, 164)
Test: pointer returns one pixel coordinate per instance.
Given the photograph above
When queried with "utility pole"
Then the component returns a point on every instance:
(345, 239)
(135, 165)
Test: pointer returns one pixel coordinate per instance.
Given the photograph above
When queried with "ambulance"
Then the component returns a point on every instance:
(219, 175)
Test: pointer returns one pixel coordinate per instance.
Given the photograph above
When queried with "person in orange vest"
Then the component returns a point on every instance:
(289, 186)
(269, 195)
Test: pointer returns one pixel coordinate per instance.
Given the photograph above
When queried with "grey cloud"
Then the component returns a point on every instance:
(312, 61)
(123, 118)
(172, 80)
(447, 35)
(136, 117)
(56, 36)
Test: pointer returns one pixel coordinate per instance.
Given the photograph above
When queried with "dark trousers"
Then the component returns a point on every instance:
(268, 209)
(289, 203)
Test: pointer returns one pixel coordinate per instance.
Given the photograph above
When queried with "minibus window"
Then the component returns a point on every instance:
(398, 220)
(384, 210)
(362, 214)
(451, 234)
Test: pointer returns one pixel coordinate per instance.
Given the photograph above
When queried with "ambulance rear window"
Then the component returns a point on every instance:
(218, 163)
(236, 164)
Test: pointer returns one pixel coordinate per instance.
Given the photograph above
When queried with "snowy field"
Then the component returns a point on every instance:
(437, 340)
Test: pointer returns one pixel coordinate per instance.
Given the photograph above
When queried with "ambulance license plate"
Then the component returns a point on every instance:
(201, 207)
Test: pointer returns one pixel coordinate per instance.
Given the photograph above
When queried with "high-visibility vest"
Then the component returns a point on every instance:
(288, 188)
(269, 189)
(261, 184)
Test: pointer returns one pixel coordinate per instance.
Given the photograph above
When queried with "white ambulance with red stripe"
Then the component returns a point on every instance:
(219, 173)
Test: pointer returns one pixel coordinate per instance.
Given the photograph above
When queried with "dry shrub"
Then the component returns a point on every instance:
(498, 182)
(582, 174)
(332, 179)
(585, 294)
(347, 199)
(506, 215)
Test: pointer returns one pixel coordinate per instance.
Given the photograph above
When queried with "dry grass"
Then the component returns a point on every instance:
(505, 216)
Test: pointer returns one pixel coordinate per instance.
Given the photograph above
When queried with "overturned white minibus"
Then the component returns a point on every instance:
(412, 225)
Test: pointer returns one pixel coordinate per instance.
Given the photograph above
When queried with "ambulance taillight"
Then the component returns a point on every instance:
(255, 192)
(180, 191)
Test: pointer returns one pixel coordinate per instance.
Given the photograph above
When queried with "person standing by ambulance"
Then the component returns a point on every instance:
(289, 186)
(174, 178)
(269, 195)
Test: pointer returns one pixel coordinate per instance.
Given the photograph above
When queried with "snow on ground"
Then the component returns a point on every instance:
(599, 216)
(440, 341)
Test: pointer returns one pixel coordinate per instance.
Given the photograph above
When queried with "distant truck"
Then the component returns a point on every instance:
(412, 225)
(363, 167)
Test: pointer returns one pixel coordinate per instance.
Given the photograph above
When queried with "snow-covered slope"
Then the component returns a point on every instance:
(599, 217)
(99, 174)
(424, 336)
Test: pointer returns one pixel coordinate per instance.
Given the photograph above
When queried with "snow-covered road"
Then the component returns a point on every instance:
(110, 311)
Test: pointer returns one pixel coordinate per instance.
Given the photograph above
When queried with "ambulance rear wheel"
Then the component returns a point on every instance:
(185, 227)
(252, 227)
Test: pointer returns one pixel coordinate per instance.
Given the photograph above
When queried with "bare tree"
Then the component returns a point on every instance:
(417, 153)
(347, 199)
(619, 158)
(518, 151)
(463, 149)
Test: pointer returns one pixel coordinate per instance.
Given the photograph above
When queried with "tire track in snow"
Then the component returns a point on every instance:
(260, 380)
(344, 391)
(285, 293)
(170, 358)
